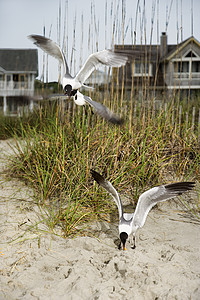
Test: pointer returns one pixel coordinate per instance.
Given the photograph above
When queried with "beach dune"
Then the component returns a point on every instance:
(35, 264)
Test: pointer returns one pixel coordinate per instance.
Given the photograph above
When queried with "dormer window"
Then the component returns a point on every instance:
(188, 64)
(191, 54)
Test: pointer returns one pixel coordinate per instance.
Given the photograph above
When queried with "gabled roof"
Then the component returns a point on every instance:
(19, 60)
(152, 52)
(180, 47)
(139, 52)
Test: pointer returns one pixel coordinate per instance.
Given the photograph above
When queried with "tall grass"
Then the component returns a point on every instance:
(60, 146)
(55, 158)
(10, 125)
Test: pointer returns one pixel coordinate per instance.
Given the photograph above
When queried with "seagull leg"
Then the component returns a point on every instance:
(91, 110)
(134, 246)
(85, 110)
(120, 246)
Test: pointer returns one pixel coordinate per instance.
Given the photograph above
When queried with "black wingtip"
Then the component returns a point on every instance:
(92, 172)
(38, 38)
(181, 187)
(30, 37)
(97, 177)
(117, 121)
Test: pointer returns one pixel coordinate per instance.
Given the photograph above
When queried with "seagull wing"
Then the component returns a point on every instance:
(103, 111)
(105, 57)
(110, 189)
(51, 48)
(157, 194)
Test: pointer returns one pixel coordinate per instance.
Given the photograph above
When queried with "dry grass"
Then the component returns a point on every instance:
(56, 157)
(60, 147)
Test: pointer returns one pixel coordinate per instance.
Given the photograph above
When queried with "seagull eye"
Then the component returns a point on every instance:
(68, 88)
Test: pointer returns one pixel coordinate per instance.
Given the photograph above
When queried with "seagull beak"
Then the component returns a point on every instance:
(67, 95)
(124, 248)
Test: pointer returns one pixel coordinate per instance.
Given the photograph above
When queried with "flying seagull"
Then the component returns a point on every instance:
(130, 222)
(72, 84)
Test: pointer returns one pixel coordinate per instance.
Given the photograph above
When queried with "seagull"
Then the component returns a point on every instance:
(72, 84)
(129, 223)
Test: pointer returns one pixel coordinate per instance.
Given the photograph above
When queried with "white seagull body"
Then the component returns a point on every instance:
(72, 84)
(130, 222)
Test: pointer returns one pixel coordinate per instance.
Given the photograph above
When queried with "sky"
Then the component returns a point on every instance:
(86, 26)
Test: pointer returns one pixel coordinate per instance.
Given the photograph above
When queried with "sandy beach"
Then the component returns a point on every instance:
(38, 265)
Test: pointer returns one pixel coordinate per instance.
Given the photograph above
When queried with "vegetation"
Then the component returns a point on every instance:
(47, 88)
(55, 158)
(9, 125)
(56, 147)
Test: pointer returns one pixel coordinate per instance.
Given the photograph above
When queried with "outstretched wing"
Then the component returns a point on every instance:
(158, 194)
(50, 48)
(110, 189)
(103, 111)
(105, 57)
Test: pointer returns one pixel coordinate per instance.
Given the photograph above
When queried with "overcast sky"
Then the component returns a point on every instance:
(93, 24)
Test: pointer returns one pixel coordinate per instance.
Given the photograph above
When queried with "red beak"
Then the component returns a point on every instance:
(124, 248)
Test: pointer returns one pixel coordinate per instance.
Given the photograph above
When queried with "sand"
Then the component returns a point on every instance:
(35, 264)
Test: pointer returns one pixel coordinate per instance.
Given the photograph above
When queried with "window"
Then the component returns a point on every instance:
(16, 80)
(8, 80)
(22, 79)
(142, 69)
(183, 67)
(137, 68)
(1, 81)
(196, 66)
(190, 54)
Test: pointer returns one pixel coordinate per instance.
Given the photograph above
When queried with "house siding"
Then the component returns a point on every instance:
(174, 68)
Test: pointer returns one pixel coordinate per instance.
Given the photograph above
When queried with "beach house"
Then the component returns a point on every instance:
(18, 70)
(164, 68)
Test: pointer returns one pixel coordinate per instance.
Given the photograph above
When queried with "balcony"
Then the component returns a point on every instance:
(13, 88)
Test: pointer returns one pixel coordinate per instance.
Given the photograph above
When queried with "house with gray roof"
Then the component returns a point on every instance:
(162, 68)
(18, 70)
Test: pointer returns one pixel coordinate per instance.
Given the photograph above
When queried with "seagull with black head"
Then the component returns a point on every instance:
(129, 223)
(71, 85)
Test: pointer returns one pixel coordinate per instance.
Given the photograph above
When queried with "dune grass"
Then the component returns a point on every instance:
(55, 149)
(55, 159)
